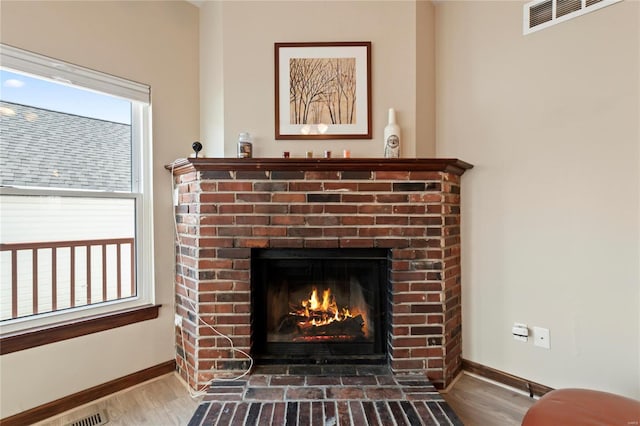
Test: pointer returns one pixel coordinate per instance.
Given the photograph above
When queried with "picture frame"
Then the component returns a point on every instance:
(323, 90)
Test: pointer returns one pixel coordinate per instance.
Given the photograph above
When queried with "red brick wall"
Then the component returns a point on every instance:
(223, 214)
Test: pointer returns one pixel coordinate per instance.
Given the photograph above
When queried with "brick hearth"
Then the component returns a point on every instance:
(229, 206)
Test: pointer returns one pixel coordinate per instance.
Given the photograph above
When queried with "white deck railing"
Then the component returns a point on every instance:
(49, 276)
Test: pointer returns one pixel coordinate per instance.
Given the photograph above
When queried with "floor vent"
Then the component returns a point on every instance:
(95, 419)
(540, 14)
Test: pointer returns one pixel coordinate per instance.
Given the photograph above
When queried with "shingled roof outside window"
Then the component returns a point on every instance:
(42, 148)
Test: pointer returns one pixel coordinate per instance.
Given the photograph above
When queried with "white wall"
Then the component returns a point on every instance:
(551, 210)
(246, 55)
(150, 42)
(425, 80)
(212, 92)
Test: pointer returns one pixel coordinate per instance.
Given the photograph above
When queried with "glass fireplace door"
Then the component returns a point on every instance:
(319, 305)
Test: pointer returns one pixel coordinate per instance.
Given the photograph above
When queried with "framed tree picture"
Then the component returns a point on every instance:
(323, 90)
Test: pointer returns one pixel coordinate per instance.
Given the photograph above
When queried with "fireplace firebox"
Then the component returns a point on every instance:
(319, 306)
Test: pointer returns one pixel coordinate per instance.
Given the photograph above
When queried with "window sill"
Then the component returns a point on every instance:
(38, 336)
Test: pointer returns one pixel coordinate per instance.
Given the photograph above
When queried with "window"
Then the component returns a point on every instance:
(75, 195)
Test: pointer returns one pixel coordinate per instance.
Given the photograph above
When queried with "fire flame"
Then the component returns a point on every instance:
(321, 311)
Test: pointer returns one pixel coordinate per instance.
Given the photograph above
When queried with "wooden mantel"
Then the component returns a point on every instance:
(449, 165)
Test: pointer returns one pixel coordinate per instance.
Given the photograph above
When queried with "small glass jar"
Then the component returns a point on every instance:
(245, 147)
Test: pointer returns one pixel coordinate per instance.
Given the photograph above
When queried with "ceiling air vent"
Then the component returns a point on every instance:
(540, 14)
(564, 7)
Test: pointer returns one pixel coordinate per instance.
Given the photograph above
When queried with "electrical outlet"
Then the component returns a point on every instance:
(541, 337)
(178, 321)
(520, 332)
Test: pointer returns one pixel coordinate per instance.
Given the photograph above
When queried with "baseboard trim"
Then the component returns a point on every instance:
(88, 395)
(525, 385)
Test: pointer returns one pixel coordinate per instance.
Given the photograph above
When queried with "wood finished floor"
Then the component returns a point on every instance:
(480, 403)
(165, 401)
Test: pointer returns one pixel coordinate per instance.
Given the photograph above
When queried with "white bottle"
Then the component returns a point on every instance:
(392, 137)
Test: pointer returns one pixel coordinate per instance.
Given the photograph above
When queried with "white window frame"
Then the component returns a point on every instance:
(139, 94)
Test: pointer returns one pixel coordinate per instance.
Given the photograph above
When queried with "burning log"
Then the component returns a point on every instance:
(347, 329)
(319, 318)
(349, 326)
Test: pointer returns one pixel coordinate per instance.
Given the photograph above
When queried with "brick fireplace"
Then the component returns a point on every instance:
(229, 207)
